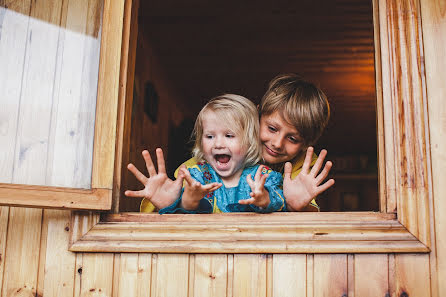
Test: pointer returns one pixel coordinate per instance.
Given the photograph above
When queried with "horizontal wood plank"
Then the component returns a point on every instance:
(54, 197)
(249, 233)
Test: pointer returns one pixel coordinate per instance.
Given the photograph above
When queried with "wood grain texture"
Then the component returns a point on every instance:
(126, 82)
(434, 37)
(14, 34)
(330, 275)
(52, 197)
(4, 218)
(210, 275)
(412, 275)
(107, 96)
(74, 101)
(96, 278)
(371, 275)
(406, 140)
(249, 275)
(59, 265)
(170, 275)
(132, 275)
(243, 233)
(289, 275)
(22, 252)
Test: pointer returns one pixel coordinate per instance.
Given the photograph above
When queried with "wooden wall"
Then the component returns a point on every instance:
(35, 262)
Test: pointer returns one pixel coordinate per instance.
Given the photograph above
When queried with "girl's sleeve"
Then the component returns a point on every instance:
(273, 185)
(204, 206)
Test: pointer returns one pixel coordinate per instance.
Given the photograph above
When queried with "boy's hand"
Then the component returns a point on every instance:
(158, 188)
(194, 191)
(307, 185)
(259, 195)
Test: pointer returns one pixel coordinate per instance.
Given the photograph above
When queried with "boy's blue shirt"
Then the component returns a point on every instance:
(226, 199)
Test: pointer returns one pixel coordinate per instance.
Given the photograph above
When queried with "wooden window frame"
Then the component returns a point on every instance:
(99, 197)
(404, 175)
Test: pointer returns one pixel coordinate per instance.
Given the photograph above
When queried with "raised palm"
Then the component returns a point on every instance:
(158, 187)
(306, 185)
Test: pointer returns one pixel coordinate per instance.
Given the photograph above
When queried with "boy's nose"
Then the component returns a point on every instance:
(277, 142)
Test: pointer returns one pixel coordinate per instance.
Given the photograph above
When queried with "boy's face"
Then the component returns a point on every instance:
(222, 148)
(280, 141)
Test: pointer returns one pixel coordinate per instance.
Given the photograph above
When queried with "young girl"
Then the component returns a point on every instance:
(293, 115)
(226, 153)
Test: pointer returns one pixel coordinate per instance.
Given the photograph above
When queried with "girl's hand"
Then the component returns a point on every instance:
(158, 188)
(194, 191)
(259, 195)
(307, 185)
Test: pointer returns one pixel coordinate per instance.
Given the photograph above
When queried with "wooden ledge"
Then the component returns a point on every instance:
(55, 197)
(248, 233)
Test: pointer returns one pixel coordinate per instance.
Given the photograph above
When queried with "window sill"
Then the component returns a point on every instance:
(359, 232)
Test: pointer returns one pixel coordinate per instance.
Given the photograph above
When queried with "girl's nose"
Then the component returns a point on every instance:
(219, 142)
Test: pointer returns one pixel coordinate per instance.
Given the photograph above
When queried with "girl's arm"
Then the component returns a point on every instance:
(266, 194)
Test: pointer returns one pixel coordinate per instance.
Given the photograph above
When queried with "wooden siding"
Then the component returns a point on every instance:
(35, 260)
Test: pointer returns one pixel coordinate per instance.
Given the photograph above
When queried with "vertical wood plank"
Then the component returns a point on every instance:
(74, 102)
(249, 275)
(14, 32)
(330, 275)
(59, 263)
(97, 275)
(211, 272)
(371, 275)
(412, 275)
(310, 275)
(351, 275)
(434, 41)
(171, 276)
(289, 275)
(4, 217)
(30, 159)
(230, 285)
(405, 96)
(22, 252)
(132, 275)
(105, 131)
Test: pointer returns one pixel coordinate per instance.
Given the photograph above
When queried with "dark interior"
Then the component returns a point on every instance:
(188, 52)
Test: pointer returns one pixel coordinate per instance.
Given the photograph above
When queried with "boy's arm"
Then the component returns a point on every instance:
(301, 190)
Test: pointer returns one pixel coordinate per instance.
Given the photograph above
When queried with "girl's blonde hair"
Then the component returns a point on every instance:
(300, 103)
(241, 116)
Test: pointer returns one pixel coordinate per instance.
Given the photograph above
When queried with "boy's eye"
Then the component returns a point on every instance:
(294, 139)
(272, 129)
(230, 135)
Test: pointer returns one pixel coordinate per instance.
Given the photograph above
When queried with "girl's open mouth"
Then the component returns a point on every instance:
(222, 161)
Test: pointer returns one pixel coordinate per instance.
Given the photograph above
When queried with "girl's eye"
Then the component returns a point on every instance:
(272, 129)
(208, 136)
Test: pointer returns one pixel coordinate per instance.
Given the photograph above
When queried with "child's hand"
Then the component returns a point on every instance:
(194, 191)
(259, 195)
(158, 188)
(307, 185)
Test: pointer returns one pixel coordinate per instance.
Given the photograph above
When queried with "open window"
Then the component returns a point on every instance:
(59, 77)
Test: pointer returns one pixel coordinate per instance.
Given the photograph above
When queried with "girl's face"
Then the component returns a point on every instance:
(222, 148)
(280, 141)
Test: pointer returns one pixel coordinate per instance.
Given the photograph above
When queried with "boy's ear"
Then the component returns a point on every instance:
(258, 107)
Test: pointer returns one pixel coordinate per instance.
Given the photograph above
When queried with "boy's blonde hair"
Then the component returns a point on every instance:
(300, 103)
(241, 116)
